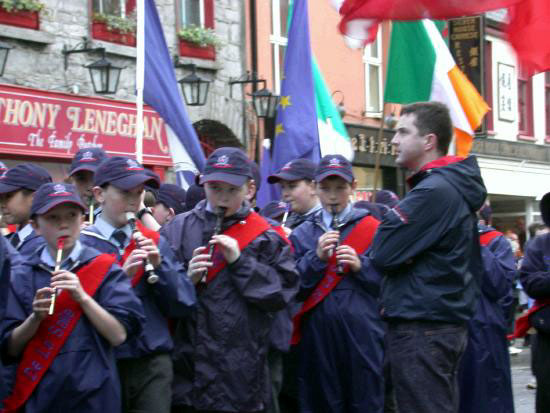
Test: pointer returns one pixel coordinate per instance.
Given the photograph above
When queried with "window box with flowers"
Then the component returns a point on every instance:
(21, 13)
(198, 42)
(114, 29)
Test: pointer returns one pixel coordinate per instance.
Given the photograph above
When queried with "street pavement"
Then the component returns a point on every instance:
(524, 398)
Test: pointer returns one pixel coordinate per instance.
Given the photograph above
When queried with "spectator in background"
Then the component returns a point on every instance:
(169, 203)
(386, 197)
(194, 195)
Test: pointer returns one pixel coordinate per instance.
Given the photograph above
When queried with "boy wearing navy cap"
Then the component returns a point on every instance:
(340, 288)
(170, 202)
(66, 360)
(145, 367)
(220, 359)
(298, 190)
(83, 167)
(17, 187)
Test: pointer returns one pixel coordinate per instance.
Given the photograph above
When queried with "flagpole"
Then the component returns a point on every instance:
(140, 75)
(378, 150)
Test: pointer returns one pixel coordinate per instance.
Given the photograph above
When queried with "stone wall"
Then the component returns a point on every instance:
(36, 59)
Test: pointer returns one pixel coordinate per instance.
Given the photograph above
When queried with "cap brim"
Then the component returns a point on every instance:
(131, 181)
(57, 202)
(91, 168)
(232, 179)
(284, 176)
(342, 175)
(6, 188)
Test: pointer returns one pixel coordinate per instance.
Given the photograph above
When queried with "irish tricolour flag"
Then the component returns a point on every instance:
(421, 68)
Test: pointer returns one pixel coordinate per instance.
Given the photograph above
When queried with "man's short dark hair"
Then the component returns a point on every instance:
(432, 117)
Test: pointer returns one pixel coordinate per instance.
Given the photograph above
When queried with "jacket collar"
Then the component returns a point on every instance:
(426, 169)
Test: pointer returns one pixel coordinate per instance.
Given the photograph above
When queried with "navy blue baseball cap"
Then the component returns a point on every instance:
(194, 195)
(386, 197)
(24, 176)
(124, 173)
(50, 195)
(334, 165)
(172, 196)
(274, 209)
(3, 167)
(294, 171)
(87, 159)
(229, 165)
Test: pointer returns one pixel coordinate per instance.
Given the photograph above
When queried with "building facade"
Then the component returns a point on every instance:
(48, 108)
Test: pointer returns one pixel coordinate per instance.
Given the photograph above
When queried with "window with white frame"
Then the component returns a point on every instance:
(278, 40)
(115, 7)
(192, 13)
(372, 58)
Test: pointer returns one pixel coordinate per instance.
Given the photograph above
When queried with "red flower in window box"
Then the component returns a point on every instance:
(100, 31)
(22, 18)
(189, 49)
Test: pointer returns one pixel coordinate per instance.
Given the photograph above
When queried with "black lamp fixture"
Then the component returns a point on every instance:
(193, 87)
(339, 105)
(103, 73)
(265, 103)
(4, 50)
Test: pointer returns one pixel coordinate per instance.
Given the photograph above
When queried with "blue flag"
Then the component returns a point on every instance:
(296, 133)
(161, 91)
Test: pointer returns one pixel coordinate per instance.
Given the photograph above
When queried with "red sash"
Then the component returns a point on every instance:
(244, 232)
(523, 324)
(486, 238)
(359, 239)
(147, 233)
(52, 334)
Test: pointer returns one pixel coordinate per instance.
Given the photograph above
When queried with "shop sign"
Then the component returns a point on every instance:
(363, 143)
(51, 124)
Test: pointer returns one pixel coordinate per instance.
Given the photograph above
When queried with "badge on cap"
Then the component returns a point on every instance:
(133, 165)
(222, 162)
(60, 190)
(334, 163)
(88, 157)
(286, 167)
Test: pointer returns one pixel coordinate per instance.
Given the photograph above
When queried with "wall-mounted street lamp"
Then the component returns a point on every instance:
(265, 103)
(193, 87)
(4, 50)
(104, 75)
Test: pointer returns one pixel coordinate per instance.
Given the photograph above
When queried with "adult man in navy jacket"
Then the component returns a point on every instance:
(427, 247)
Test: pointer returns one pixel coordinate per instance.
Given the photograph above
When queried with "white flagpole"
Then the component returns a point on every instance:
(140, 74)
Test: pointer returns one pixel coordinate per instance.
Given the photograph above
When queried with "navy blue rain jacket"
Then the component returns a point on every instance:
(427, 247)
(341, 351)
(31, 244)
(172, 296)
(485, 377)
(83, 376)
(220, 354)
(5, 267)
(535, 268)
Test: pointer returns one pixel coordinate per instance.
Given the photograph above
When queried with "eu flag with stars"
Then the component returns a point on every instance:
(296, 133)
(161, 91)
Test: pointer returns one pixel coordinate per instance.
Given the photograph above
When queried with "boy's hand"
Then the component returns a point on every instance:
(326, 244)
(134, 261)
(66, 280)
(199, 264)
(229, 247)
(41, 303)
(147, 245)
(347, 255)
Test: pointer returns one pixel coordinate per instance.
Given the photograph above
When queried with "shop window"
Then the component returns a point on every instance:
(114, 21)
(525, 105)
(372, 59)
(198, 16)
(278, 40)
